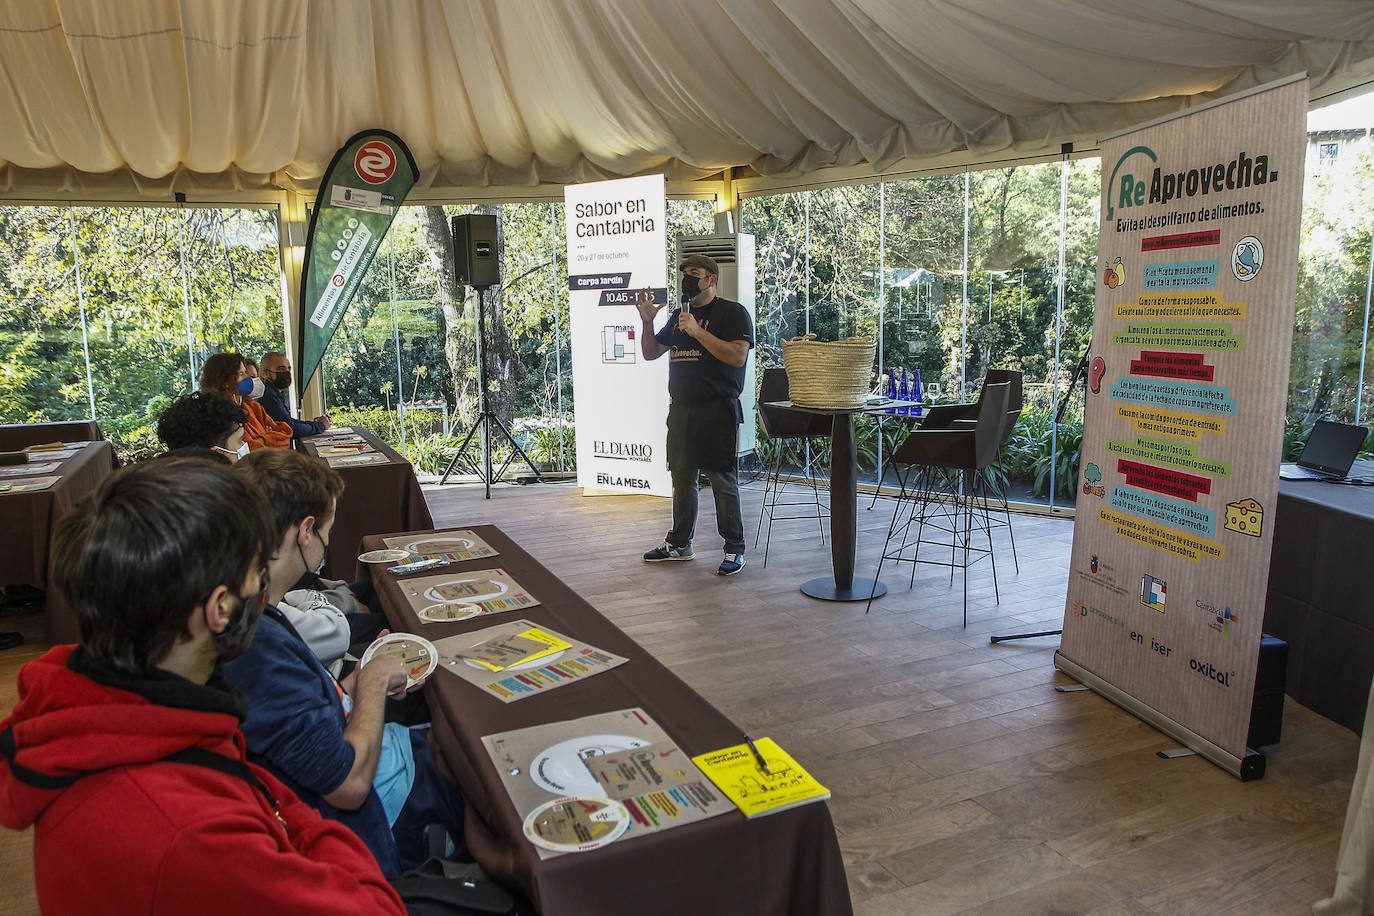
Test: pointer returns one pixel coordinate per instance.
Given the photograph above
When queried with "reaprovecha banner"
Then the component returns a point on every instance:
(1183, 431)
(366, 181)
(617, 243)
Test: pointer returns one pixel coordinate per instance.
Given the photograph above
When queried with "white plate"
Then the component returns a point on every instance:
(439, 613)
(420, 658)
(604, 819)
(501, 588)
(560, 769)
(383, 556)
(418, 546)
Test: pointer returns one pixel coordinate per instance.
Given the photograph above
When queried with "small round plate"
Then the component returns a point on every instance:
(449, 610)
(576, 823)
(500, 587)
(415, 653)
(562, 769)
(390, 555)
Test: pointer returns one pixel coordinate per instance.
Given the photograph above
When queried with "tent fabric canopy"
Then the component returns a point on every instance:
(150, 96)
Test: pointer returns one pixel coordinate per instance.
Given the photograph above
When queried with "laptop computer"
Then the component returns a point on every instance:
(1329, 453)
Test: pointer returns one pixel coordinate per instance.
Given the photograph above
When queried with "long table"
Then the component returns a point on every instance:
(16, 436)
(785, 863)
(26, 523)
(1320, 600)
(377, 498)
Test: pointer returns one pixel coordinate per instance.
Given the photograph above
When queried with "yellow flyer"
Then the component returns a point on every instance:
(737, 773)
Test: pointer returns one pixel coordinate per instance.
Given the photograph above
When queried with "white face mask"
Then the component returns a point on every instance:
(251, 387)
(242, 451)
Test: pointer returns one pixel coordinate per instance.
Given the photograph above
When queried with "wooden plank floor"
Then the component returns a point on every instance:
(962, 782)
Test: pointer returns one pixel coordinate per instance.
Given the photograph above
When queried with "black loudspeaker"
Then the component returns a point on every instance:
(1266, 713)
(476, 262)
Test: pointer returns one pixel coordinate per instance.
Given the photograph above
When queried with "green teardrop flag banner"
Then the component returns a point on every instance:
(365, 182)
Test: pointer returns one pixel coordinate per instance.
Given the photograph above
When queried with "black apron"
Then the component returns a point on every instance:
(704, 434)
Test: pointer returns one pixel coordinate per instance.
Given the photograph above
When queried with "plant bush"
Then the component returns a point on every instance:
(1026, 458)
(430, 452)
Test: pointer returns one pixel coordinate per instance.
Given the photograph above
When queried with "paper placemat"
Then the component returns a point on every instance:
(454, 546)
(354, 459)
(577, 662)
(545, 762)
(334, 451)
(28, 470)
(28, 484)
(492, 589)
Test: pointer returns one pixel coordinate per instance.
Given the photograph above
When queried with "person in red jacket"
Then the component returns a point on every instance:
(124, 752)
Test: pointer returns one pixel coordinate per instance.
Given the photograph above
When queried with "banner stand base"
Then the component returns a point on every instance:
(1246, 768)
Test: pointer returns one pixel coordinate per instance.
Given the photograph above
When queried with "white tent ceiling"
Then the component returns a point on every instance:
(142, 97)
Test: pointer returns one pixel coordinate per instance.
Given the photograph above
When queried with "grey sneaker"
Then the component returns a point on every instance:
(665, 552)
(732, 564)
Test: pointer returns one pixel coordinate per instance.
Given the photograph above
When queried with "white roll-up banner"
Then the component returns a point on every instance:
(617, 245)
(1183, 431)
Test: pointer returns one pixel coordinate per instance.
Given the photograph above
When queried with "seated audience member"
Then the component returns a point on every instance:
(221, 375)
(124, 752)
(276, 376)
(329, 616)
(204, 421)
(329, 740)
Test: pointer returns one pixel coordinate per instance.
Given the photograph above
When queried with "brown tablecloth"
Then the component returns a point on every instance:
(26, 523)
(377, 499)
(16, 436)
(786, 863)
(1320, 600)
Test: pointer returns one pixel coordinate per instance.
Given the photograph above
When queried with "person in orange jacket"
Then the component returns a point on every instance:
(222, 374)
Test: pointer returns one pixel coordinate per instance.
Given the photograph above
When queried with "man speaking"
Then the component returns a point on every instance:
(709, 338)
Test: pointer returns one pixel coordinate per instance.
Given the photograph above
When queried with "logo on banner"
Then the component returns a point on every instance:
(375, 162)
(1085, 609)
(618, 344)
(1245, 516)
(1153, 592)
(1155, 645)
(1247, 258)
(1128, 192)
(1115, 275)
(1211, 672)
(1221, 617)
(622, 451)
(634, 483)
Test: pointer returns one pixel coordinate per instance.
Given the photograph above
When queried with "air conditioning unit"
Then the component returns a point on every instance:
(734, 253)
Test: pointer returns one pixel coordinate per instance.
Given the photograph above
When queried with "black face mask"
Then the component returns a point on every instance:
(233, 641)
(282, 380)
(690, 287)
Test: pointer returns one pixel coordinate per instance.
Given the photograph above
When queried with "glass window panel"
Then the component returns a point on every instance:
(42, 361)
(922, 257)
(1329, 337)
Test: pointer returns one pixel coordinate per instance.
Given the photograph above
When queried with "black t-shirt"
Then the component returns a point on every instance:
(694, 374)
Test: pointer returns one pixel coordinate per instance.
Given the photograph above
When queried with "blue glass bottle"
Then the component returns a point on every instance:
(902, 392)
(917, 394)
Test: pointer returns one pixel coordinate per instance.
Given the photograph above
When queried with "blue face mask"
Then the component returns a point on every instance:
(251, 388)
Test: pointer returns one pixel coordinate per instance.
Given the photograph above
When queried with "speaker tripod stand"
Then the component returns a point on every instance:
(486, 420)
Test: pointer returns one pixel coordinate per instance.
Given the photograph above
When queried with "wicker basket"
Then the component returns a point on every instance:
(828, 375)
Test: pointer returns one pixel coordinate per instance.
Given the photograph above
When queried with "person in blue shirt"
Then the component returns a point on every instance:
(275, 369)
(326, 739)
